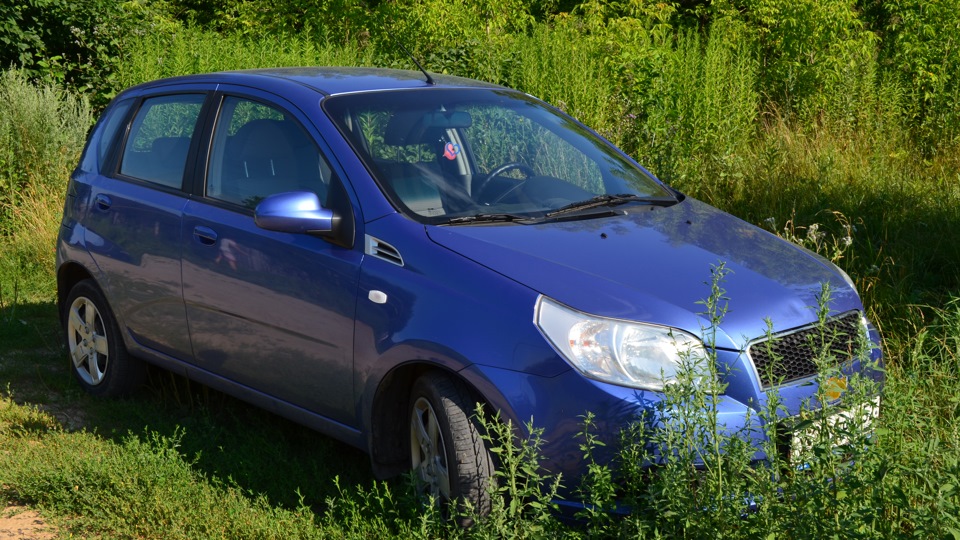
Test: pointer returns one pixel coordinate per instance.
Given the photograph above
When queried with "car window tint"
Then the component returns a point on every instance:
(259, 150)
(159, 140)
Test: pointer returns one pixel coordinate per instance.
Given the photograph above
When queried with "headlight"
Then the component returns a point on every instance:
(619, 352)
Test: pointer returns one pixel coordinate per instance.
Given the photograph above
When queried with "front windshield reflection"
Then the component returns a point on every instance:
(441, 155)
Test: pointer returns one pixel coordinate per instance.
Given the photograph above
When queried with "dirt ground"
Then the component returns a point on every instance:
(24, 524)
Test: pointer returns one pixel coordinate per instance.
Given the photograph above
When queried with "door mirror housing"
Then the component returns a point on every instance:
(295, 212)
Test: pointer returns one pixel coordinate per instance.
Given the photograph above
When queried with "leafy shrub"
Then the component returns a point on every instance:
(343, 22)
(67, 42)
(470, 39)
(806, 46)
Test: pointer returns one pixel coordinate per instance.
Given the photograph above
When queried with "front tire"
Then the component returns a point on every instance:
(98, 358)
(448, 455)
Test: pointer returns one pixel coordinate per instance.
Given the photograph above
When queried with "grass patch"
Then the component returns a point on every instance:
(178, 460)
(181, 461)
(140, 487)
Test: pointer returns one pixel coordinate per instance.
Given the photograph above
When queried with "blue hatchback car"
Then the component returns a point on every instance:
(371, 254)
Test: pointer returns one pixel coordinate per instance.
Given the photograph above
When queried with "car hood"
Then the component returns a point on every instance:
(655, 264)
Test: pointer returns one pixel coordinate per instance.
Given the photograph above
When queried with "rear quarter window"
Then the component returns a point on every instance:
(104, 138)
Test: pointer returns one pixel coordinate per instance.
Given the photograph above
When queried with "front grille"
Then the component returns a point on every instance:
(789, 356)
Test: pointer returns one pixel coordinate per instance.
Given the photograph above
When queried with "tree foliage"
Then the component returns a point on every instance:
(812, 57)
(69, 42)
(921, 48)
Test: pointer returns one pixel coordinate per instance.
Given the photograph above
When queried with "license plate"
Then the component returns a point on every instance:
(839, 425)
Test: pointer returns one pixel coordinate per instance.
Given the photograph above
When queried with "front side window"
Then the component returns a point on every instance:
(448, 156)
(259, 150)
(159, 140)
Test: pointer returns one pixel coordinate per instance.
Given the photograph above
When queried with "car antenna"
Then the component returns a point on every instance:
(430, 80)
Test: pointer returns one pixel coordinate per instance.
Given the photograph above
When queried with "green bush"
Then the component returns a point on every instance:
(74, 43)
(344, 22)
(806, 47)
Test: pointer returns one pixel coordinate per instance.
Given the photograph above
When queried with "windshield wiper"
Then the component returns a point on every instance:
(609, 200)
(488, 218)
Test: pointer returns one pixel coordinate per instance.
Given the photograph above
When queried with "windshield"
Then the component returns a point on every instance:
(449, 156)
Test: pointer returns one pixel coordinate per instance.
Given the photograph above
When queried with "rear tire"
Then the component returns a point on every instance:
(448, 455)
(98, 358)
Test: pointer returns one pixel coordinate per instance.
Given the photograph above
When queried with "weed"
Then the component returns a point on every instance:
(523, 494)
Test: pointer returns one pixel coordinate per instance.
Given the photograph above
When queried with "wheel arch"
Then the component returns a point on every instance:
(68, 275)
(389, 422)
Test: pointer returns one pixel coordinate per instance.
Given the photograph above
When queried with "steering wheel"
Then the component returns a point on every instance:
(497, 171)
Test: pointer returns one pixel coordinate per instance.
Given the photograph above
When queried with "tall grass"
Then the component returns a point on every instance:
(697, 113)
(568, 76)
(42, 131)
(186, 51)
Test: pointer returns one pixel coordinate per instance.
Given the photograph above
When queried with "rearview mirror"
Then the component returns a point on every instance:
(456, 119)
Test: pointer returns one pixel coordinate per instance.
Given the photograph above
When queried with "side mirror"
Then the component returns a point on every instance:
(294, 212)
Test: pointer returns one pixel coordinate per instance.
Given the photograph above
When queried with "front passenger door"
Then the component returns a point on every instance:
(271, 311)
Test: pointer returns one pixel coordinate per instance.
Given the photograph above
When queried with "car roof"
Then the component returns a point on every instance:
(329, 80)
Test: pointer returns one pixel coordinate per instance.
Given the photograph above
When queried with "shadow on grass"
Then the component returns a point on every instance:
(223, 438)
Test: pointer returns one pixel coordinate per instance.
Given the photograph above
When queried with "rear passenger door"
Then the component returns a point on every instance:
(134, 217)
(271, 311)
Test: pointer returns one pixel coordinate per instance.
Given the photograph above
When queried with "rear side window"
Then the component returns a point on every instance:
(156, 149)
(109, 133)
